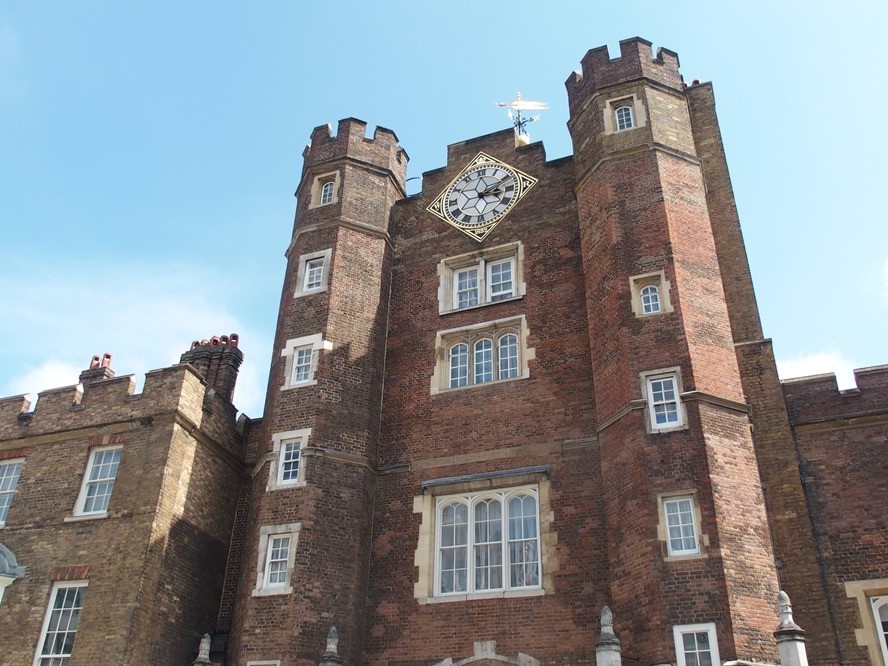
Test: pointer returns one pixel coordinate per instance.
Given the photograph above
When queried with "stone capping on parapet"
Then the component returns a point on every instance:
(598, 70)
(817, 398)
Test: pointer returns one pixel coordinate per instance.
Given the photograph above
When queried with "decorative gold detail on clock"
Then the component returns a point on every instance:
(481, 195)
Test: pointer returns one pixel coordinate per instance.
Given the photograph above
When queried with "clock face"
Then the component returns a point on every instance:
(481, 195)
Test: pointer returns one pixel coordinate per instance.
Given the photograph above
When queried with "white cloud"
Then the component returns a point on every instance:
(146, 316)
(819, 363)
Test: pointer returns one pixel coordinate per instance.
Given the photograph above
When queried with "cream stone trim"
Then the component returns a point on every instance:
(318, 184)
(326, 255)
(265, 533)
(639, 282)
(649, 375)
(316, 342)
(440, 380)
(274, 467)
(273, 662)
(867, 636)
(448, 267)
(663, 531)
(425, 554)
(639, 113)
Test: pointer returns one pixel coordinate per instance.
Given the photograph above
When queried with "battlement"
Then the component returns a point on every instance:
(818, 398)
(636, 61)
(350, 140)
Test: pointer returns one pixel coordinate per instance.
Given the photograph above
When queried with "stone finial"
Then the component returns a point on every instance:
(607, 647)
(203, 652)
(790, 636)
(331, 655)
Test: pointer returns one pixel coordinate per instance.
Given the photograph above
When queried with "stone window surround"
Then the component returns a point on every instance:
(275, 468)
(862, 591)
(316, 343)
(426, 549)
(639, 282)
(78, 513)
(265, 662)
(646, 378)
(679, 629)
(639, 114)
(444, 340)
(663, 531)
(318, 184)
(448, 267)
(11, 491)
(265, 534)
(326, 255)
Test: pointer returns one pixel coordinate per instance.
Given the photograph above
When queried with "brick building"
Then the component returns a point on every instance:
(532, 391)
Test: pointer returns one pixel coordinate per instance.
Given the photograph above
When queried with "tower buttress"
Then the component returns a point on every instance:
(314, 481)
(673, 424)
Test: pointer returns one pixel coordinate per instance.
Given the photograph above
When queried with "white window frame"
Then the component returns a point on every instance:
(628, 122)
(637, 283)
(305, 261)
(496, 331)
(674, 500)
(471, 500)
(56, 588)
(266, 534)
(678, 632)
(10, 473)
(647, 380)
(317, 189)
(276, 469)
(328, 192)
(79, 509)
(312, 343)
(876, 604)
(482, 261)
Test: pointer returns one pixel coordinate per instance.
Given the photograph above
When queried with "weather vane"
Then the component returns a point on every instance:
(522, 138)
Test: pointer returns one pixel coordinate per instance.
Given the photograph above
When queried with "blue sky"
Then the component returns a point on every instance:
(150, 151)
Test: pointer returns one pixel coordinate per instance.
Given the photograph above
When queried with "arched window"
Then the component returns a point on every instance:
(327, 192)
(880, 615)
(650, 299)
(483, 358)
(488, 541)
(508, 356)
(623, 115)
(459, 365)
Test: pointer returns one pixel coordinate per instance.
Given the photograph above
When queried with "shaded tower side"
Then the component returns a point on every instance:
(673, 427)
(788, 508)
(305, 554)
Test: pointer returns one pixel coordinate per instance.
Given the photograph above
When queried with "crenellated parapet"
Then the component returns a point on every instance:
(382, 151)
(636, 61)
(818, 398)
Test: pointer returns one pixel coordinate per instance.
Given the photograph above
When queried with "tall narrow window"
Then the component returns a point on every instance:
(623, 116)
(459, 365)
(60, 624)
(276, 563)
(508, 356)
(483, 360)
(501, 531)
(327, 191)
(879, 607)
(466, 292)
(301, 365)
(681, 525)
(499, 279)
(314, 273)
(696, 645)
(290, 455)
(663, 404)
(650, 299)
(98, 482)
(10, 470)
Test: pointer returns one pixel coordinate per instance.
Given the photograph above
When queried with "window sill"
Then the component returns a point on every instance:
(79, 518)
(286, 486)
(480, 305)
(287, 387)
(505, 594)
(272, 591)
(309, 292)
(665, 430)
(685, 558)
